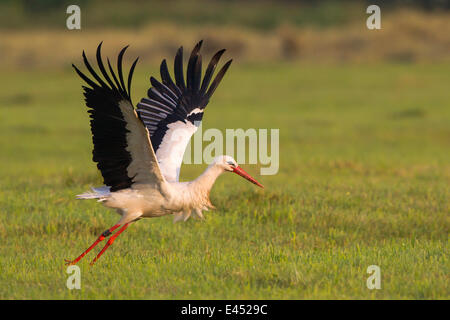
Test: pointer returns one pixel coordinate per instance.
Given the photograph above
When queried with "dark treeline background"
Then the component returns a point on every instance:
(265, 14)
(424, 4)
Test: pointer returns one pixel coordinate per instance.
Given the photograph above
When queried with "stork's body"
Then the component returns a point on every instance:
(139, 151)
(178, 198)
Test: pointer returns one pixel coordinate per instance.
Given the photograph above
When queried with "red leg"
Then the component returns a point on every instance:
(100, 238)
(110, 242)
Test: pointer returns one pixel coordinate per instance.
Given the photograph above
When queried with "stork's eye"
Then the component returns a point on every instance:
(231, 164)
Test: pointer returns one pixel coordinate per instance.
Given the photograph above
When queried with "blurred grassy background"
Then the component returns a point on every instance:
(364, 119)
(33, 34)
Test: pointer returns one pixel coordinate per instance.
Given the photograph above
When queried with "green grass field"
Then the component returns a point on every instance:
(363, 180)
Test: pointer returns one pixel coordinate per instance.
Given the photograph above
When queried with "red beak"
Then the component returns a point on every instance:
(238, 170)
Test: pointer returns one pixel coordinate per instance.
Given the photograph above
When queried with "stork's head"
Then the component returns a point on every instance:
(227, 163)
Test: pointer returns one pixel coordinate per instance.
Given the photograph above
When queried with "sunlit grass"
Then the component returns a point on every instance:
(364, 179)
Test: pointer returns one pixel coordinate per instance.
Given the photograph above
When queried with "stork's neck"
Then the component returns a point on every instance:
(206, 180)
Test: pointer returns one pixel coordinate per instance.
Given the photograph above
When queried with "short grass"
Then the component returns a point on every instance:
(363, 180)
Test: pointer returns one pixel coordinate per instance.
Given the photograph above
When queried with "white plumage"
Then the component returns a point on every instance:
(170, 153)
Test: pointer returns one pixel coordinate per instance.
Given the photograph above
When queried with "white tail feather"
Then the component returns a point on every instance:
(100, 193)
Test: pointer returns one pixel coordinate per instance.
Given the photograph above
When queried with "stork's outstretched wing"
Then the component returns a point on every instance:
(122, 147)
(173, 111)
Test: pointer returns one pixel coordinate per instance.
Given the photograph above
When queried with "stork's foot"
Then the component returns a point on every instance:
(69, 262)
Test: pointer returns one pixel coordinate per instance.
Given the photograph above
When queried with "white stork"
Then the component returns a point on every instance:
(139, 151)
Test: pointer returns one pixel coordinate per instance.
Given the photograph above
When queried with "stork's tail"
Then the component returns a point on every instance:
(101, 193)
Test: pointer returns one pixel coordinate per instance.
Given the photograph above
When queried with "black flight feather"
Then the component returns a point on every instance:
(108, 126)
(179, 100)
